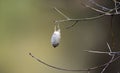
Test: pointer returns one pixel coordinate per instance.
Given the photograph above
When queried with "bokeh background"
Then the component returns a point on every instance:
(27, 25)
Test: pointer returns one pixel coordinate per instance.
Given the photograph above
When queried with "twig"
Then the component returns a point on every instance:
(103, 8)
(110, 53)
(77, 70)
(108, 64)
(54, 66)
(95, 9)
(72, 24)
(113, 55)
(61, 13)
(98, 52)
(93, 68)
(98, 5)
(115, 4)
(109, 47)
(82, 19)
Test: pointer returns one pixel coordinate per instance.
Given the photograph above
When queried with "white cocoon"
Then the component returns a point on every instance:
(55, 39)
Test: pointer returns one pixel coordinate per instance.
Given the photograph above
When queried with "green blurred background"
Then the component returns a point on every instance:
(27, 25)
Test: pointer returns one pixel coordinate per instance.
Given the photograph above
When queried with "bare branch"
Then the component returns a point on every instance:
(100, 6)
(99, 52)
(72, 24)
(108, 64)
(109, 47)
(87, 70)
(61, 13)
(113, 54)
(104, 9)
(93, 68)
(95, 9)
(84, 19)
(115, 4)
(54, 66)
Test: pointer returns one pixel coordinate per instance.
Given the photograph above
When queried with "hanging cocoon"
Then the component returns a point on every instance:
(55, 39)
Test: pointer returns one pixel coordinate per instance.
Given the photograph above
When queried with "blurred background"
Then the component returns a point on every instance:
(27, 25)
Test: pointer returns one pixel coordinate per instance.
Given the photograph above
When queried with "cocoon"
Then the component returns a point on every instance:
(55, 39)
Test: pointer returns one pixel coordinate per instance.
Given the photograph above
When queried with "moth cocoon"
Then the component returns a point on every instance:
(55, 39)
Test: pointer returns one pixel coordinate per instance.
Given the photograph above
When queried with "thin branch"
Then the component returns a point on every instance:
(100, 6)
(72, 24)
(110, 53)
(115, 4)
(88, 70)
(95, 9)
(105, 10)
(109, 47)
(61, 13)
(98, 52)
(54, 66)
(108, 64)
(93, 68)
(82, 19)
